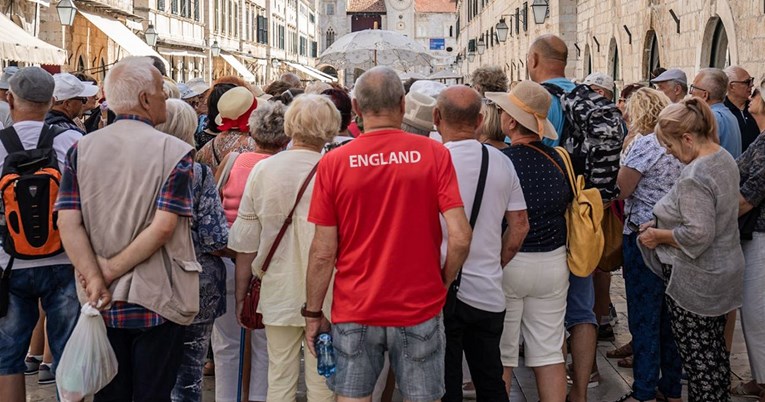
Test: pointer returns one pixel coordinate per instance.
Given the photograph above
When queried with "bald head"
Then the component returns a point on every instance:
(547, 58)
(379, 90)
(456, 107)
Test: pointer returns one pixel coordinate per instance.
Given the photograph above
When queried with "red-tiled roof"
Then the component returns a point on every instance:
(435, 6)
(366, 6)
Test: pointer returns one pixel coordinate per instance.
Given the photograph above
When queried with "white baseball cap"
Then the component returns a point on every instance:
(600, 80)
(68, 87)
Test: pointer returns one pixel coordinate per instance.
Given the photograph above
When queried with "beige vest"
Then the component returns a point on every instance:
(121, 170)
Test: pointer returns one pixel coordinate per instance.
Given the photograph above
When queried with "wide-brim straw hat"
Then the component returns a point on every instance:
(234, 109)
(528, 103)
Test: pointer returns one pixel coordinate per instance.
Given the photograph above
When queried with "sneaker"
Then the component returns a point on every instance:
(45, 375)
(468, 391)
(612, 313)
(606, 333)
(33, 365)
(594, 380)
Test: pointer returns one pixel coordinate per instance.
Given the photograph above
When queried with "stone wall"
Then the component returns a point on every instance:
(595, 31)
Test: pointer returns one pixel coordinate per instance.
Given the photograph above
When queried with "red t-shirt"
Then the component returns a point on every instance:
(385, 191)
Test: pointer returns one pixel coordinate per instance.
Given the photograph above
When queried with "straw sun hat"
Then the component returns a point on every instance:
(527, 103)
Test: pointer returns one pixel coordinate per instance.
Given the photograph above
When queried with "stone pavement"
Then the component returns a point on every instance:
(614, 380)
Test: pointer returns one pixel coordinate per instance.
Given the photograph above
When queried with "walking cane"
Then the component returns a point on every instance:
(245, 366)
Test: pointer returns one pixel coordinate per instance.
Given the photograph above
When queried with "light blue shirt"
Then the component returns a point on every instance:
(727, 129)
(555, 114)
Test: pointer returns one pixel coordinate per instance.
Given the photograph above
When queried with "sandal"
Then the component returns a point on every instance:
(620, 352)
(626, 362)
(741, 391)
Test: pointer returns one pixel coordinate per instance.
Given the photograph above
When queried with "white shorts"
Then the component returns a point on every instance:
(536, 286)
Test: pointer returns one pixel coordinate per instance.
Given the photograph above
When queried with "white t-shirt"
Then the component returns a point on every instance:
(481, 285)
(29, 134)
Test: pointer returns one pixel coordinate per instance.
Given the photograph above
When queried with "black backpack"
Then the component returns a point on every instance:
(593, 133)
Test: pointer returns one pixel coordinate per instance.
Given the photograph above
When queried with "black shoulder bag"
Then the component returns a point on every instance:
(451, 295)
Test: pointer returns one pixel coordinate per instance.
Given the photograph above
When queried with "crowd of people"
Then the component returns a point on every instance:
(424, 226)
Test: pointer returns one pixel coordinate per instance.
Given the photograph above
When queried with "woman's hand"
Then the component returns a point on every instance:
(647, 225)
(649, 237)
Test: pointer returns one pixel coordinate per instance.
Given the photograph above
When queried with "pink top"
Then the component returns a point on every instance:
(234, 187)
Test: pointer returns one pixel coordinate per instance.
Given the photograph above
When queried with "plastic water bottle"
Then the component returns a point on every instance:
(325, 355)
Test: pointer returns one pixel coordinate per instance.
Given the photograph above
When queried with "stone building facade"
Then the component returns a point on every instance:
(624, 38)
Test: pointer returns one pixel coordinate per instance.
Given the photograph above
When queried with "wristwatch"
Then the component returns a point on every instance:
(310, 314)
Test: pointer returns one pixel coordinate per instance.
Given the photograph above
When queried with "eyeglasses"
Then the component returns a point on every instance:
(83, 100)
(692, 88)
(748, 82)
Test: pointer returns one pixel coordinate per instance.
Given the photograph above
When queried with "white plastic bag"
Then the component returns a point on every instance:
(88, 363)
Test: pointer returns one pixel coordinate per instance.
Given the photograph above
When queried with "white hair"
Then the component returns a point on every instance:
(128, 78)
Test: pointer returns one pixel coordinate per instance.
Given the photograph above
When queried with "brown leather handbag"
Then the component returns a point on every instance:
(250, 316)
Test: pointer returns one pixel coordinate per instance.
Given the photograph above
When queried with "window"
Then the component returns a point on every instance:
(281, 37)
(160, 5)
(174, 6)
(719, 54)
(517, 21)
(451, 31)
(330, 8)
(330, 37)
(311, 18)
(216, 19)
(314, 49)
(303, 46)
(196, 10)
(262, 28)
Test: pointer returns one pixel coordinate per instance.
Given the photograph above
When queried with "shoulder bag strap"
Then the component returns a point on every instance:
(11, 141)
(226, 169)
(476, 201)
(569, 168)
(288, 221)
(546, 156)
(48, 134)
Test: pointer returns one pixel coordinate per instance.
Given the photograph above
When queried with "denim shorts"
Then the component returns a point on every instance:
(53, 287)
(580, 301)
(416, 356)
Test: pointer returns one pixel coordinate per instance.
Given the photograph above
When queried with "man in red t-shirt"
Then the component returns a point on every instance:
(376, 205)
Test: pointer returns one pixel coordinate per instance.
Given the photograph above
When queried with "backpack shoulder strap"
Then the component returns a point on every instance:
(553, 89)
(569, 168)
(11, 141)
(48, 134)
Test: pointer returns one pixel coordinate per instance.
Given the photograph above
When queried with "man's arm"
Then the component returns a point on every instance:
(458, 240)
(517, 229)
(321, 263)
(80, 251)
(147, 243)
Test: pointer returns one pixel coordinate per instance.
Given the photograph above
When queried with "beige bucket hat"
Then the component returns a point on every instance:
(527, 103)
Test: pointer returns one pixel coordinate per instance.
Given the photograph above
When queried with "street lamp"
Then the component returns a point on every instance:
(458, 61)
(215, 49)
(471, 56)
(151, 36)
(541, 9)
(502, 30)
(481, 45)
(66, 12)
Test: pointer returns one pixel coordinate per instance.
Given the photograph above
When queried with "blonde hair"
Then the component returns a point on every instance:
(643, 108)
(181, 121)
(491, 127)
(690, 115)
(312, 119)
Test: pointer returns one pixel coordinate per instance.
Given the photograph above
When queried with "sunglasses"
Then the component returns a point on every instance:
(748, 82)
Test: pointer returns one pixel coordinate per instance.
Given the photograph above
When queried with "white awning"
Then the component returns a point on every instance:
(181, 53)
(239, 67)
(308, 71)
(317, 71)
(122, 36)
(18, 45)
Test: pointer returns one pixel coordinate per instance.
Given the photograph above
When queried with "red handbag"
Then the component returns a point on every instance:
(250, 316)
